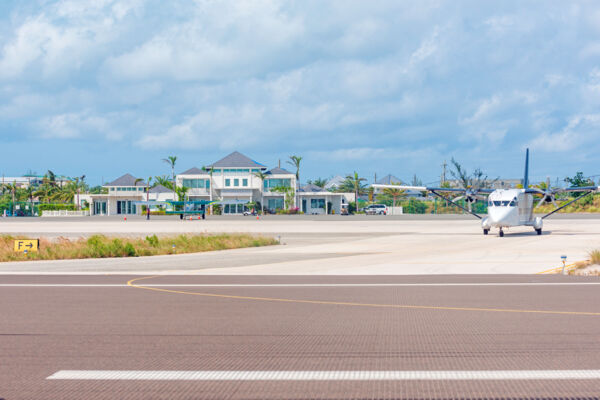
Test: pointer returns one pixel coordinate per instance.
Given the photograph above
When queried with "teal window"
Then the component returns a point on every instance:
(275, 204)
(317, 203)
(196, 183)
(227, 182)
(244, 182)
(273, 183)
(236, 182)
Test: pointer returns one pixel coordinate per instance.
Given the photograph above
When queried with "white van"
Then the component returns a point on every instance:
(376, 209)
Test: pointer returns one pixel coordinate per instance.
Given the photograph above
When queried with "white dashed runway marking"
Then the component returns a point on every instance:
(326, 375)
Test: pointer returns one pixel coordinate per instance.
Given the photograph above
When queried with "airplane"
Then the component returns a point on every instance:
(506, 207)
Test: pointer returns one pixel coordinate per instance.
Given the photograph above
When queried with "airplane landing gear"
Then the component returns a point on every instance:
(486, 231)
(539, 231)
(501, 233)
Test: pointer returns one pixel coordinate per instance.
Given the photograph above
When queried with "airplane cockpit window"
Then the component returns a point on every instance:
(505, 203)
(497, 203)
(513, 203)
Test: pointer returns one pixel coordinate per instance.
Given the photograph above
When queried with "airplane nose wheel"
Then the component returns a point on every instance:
(486, 231)
(538, 231)
(501, 233)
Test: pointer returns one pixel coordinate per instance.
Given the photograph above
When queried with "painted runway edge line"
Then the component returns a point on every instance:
(324, 375)
(326, 285)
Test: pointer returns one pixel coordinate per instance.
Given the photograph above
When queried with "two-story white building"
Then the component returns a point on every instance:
(236, 180)
(120, 199)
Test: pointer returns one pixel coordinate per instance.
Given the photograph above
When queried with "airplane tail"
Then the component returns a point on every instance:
(526, 177)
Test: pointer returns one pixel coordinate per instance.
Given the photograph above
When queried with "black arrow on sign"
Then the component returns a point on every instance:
(30, 245)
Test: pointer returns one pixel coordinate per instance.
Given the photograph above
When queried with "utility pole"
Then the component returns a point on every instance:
(443, 177)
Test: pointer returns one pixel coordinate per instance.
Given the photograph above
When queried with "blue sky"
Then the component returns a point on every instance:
(106, 87)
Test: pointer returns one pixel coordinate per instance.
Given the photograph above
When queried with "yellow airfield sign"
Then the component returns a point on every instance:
(28, 245)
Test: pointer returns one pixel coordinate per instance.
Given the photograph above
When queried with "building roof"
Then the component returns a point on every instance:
(160, 189)
(311, 188)
(389, 180)
(334, 182)
(279, 171)
(236, 160)
(193, 171)
(125, 180)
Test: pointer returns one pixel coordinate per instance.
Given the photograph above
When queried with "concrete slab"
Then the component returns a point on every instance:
(331, 246)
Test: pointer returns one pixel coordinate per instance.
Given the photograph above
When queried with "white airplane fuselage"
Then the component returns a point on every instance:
(510, 207)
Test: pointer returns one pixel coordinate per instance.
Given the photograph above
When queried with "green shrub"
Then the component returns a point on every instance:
(152, 240)
(57, 207)
(595, 256)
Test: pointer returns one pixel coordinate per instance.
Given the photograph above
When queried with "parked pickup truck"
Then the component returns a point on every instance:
(376, 209)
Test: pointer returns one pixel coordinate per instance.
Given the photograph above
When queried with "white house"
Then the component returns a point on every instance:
(122, 195)
(317, 200)
(235, 180)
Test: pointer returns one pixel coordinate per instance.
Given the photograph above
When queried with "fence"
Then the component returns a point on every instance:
(65, 213)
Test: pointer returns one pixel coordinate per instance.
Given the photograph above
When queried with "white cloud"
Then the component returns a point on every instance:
(225, 40)
(580, 129)
(76, 125)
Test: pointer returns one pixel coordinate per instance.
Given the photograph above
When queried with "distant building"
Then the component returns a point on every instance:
(232, 182)
(317, 200)
(122, 195)
(26, 181)
(334, 183)
(394, 180)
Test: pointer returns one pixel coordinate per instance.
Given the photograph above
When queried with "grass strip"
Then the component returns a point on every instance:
(100, 246)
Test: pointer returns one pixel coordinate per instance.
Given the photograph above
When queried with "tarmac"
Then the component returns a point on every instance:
(299, 337)
(345, 308)
(334, 245)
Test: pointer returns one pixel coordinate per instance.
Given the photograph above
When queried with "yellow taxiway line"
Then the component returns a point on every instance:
(352, 304)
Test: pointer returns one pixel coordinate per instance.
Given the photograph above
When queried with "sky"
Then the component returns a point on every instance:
(105, 87)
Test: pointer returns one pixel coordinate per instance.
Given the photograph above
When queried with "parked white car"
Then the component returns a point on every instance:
(376, 209)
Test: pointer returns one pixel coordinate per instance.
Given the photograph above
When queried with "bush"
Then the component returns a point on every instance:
(414, 206)
(57, 207)
(152, 240)
(595, 256)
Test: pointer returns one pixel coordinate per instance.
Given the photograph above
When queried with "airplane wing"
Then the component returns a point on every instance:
(469, 195)
(428, 188)
(580, 189)
(549, 196)
(561, 190)
(416, 188)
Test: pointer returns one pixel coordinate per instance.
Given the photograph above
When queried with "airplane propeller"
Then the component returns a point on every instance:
(548, 195)
(471, 196)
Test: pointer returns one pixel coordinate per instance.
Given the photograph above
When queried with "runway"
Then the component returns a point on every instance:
(301, 337)
(334, 245)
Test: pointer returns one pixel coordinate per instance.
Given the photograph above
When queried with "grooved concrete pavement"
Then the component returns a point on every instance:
(48, 329)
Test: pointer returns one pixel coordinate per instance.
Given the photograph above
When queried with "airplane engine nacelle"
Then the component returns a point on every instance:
(485, 223)
(537, 223)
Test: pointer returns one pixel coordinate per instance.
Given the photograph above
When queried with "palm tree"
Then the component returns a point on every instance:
(12, 187)
(182, 192)
(320, 182)
(163, 181)
(262, 176)
(50, 178)
(171, 161)
(394, 192)
(295, 161)
(356, 184)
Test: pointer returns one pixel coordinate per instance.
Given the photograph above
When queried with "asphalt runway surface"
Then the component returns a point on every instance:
(299, 337)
